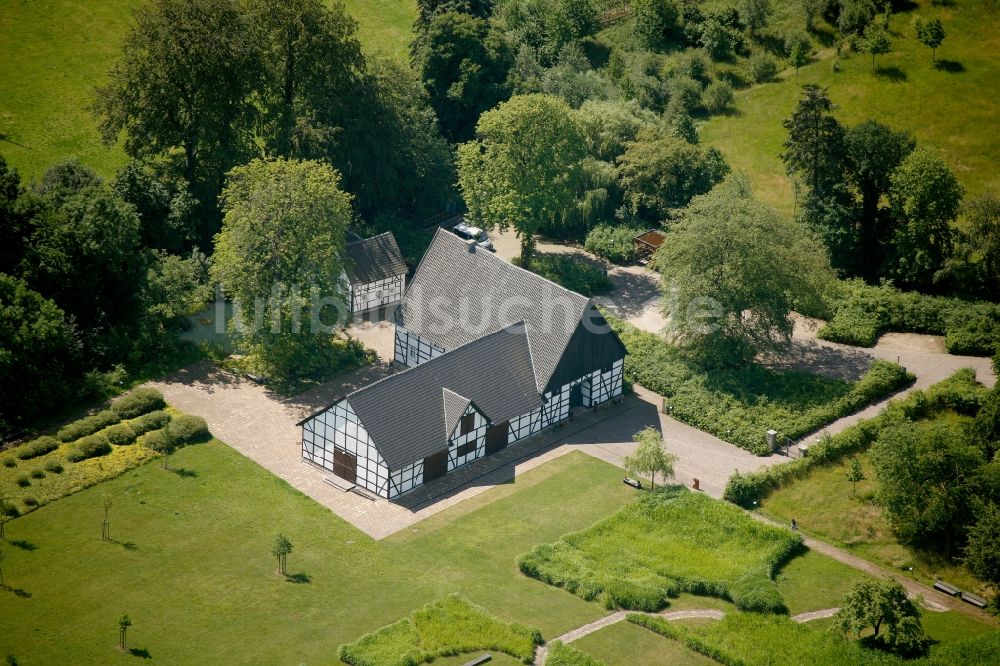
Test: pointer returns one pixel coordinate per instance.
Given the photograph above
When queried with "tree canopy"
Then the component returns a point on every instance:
(524, 168)
(650, 457)
(883, 607)
(733, 269)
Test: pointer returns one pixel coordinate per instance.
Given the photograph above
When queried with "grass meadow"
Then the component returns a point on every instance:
(951, 109)
(56, 51)
(670, 541)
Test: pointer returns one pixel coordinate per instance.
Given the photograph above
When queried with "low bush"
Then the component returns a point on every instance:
(159, 441)
(560, 654)
(91, 446)
(960, 393)
(87, 426)
(761, 67)
(38, 473)
(150, 421)
(613, 243)
(740, 405)
(669, 541)
(36, 447)
(718, 97)
(187, 429)
(54, 466)
(861, 313)
(29, 501)
(9, 462)
(444, 628)
(120, 434)
(571, 273)
(22, 480)
(138, 402)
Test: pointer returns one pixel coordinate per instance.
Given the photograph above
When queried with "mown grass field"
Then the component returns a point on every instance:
(824, 505)
(951, 110)
(53, 53)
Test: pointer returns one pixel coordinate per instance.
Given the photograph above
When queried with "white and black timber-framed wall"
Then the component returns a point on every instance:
(411, 350)
(377, 294)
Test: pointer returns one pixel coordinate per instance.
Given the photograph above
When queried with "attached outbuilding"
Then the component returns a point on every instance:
(375, 272)
(493, 354)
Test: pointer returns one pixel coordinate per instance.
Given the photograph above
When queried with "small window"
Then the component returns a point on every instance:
(467, 424)
(466, 449)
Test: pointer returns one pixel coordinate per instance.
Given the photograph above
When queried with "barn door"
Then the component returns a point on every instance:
(345, 465)
(435, 466)
(496, 438)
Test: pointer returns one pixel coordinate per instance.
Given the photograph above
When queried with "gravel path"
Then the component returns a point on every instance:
(815, 615)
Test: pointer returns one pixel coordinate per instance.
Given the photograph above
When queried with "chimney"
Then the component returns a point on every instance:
(471, 243)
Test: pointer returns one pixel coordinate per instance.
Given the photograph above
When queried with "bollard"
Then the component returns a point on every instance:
(696, 484)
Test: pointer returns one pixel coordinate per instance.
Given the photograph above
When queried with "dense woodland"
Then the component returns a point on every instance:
(552, 117)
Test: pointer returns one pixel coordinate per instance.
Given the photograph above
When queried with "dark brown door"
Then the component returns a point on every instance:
(496, 438)
(435, 466)
(345, 465)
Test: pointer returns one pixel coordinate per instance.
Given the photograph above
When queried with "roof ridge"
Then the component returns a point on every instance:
(505, 329)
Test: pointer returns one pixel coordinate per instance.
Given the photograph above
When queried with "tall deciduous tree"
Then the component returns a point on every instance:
(661, 173)
(883, 607)
(754, 14)
(312, 65)
(653, 21)
(873, 152)
(650, 457)
(733, 269)
(463, 63)
(524, 168)
(183, 89)
(876, 41)
(931, 34)
(280, 254)
(982, 552)
(925, 197)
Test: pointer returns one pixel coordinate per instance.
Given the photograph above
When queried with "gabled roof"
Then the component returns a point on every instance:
(461, 292)
(375, 258)
(405, 413)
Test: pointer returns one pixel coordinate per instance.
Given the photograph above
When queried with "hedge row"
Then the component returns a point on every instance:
(182, 429)
(682, 635)
(91, 446)
(960, 392)
(560, 654)
(614, 243)
(138, 402)
(36, 447)
(861, 313)
(741, 405)
(87, 426)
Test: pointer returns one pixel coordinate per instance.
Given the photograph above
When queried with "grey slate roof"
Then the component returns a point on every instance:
(405, 413)
(454, 407)
(375, 258)
(458, 295)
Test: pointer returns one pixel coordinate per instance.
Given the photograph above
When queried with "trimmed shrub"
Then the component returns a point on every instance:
(54, 466)
(159, 441)
(29, 501)
(38, 473)
(9, 462)
(22, 480)
(187, 429)
(138, 402)
(120, 434)
(87, 426)
(149, 422)
(613, 243)
(91, 446)
(36, 447)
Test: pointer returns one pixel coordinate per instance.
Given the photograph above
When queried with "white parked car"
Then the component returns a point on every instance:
(463, 230)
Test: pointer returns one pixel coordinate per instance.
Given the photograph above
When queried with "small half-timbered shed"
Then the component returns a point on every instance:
(494, 354)
(375, 271)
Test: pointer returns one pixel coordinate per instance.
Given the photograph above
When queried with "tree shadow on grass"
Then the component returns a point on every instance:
(893, 74)
(299, 578)
(184, 473)
(140, 652)
(127, 545)
(24, 594)
(950, 66)
(23, 545)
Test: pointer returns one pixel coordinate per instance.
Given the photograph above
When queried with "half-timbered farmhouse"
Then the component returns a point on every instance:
(493, 354)
(375, 272)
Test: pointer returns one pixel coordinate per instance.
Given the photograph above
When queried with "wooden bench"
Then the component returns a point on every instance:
(635, 483)
(974, 600)
(947, 588)
(478, 660)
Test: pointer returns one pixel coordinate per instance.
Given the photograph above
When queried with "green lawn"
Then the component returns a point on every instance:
(55, 51)
(824, 504)
(953, 113)
(200, 585)
(626, 643)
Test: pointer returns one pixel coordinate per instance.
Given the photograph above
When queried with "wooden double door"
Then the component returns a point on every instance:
(435, 466)
(345, 465)
(496, 438)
